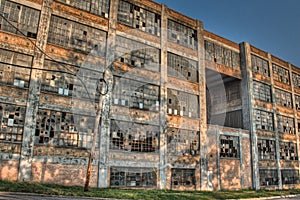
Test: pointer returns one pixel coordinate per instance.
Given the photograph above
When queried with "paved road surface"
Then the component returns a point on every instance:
(18, 196)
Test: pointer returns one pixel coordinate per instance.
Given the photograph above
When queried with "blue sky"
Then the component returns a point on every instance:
(270, 25)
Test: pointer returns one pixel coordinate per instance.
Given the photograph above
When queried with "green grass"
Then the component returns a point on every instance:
(50, 189)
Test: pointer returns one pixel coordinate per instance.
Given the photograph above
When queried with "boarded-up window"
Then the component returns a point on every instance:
(133, 177)
(139, 18)
(183, 35)
(24, 18)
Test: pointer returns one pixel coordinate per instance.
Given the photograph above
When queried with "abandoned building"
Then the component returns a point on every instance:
(182, 108)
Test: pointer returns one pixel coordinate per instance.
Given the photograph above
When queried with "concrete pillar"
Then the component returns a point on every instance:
(275, 123)
(202, 103)
(248, 111)
(103, 174)
(34, 93)
(163, 100)
(241, 157)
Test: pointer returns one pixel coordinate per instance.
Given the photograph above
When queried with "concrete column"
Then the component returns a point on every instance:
(275, 123)
(103, 174)
(163, 100)
(218, 157)
(248, 110)
(202, 103)
(34, 93)
(295, 113)
(241, 157)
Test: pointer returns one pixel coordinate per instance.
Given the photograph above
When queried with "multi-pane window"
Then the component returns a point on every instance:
(268, 177)
(139, 18)
(229, 146)
(63, 129)
(281, 74)
(183, 177)
(222, 55)
(288, 151)
(286, 124)
(182, 67)
(283, 98)
(12, 74)
(182, 35)
(183, 104)
(68, 85)
(25, 19)
(263, 120)
(76, 36)
(297, 102)
(262, 91)
(98, 7)
(183, 142)
(290, 176)
(296, 80)
(130, 136)
(137, 54)
(132, 177)
(12, 122)
(260, 66)
(266, 149)
(134, 94)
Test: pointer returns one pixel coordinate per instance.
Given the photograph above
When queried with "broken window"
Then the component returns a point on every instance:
(268, 177)
(229, 146)
(290, 176)
(130, 136)
(288, 151)
(98, 7)
(281, 74)
(12, 122)
(222, 55)
(296, 80)
(134, 94)
(137, 54)
(139, 18)
(286, 124)
(132, 177)
(263, 120)
(68, 85)
(183, 104)
(266, 149)
(183, 142)
(182, 35)
(262, 91)
(24, 18)
(76, 36)
(260, 66)
(12, 74)
(183, 177)
(63, 129)
(182, 67)
(283, 98)
(297, 102)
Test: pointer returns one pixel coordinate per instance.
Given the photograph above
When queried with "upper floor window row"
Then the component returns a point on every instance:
(97, 7)
(21, 19)
(281, 74)
(182, 35)
(139, 18)
(222, 55)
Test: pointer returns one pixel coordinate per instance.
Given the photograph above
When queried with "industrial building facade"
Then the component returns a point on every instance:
(183, 108)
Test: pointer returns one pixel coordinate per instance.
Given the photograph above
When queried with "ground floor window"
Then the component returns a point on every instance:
(290, 176)
(133, 177)
(268, 177)
(183, 177)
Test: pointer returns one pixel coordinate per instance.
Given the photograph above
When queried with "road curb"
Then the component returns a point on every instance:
(265, 198)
